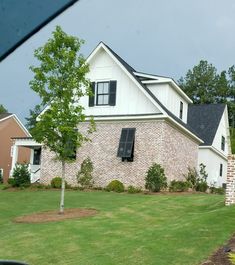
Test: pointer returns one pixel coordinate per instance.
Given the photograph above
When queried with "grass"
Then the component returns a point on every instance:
(129, 229)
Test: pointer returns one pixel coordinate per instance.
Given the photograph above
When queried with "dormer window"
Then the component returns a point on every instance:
(223, 143)
(181, 110)
(104, 93)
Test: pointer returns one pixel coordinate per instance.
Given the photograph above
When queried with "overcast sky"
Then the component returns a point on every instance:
(164, 37)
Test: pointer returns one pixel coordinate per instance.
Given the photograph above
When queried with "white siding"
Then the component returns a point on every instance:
(212, 162)
(129, 98)
(170, 99)
(222, 131)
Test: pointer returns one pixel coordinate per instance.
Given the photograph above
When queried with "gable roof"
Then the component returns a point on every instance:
(4, 115)
(205, 119)
(132, 71)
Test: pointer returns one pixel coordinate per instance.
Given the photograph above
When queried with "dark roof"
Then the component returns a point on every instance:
(131, 71)
(4, 115)
(205, 119)
(19, 20)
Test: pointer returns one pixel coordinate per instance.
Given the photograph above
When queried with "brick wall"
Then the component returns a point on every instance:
(155, 141)
(230, 186)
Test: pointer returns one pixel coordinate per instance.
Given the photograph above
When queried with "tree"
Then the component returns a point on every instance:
(32, 119)
(2, 109)
(60, 81)
(200, 83)
(204, 85)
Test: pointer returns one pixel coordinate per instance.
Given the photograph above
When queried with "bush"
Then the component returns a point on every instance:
(84, 176)
(115, 185)
(202, 186)
(1, 177)
(20, 176)
(215, 190)
(155, 179)
(132, 189)
(197, 181)
(178, 185)
(57, 182)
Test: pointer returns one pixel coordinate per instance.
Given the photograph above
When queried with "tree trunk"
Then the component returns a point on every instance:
(62, 188)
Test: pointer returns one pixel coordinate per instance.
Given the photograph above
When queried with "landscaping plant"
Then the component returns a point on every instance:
(155, 179)
(20, 176)
(115, 185)
(84, 175)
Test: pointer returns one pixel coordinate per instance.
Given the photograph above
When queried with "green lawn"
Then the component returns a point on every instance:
(129, 229)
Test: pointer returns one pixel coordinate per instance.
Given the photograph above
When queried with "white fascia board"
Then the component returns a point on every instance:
(212, 148)
(185, 130)
(128, 117)
(3, 119)
(26, 142)
(146, 75)
(101, 45)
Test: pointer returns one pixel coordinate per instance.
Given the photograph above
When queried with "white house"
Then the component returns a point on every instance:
(210, 122)
(141, 119)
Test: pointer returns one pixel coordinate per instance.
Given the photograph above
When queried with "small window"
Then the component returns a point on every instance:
(221, 170)
(181, 110)
(126, 144)
(103, 93)
(223, 143)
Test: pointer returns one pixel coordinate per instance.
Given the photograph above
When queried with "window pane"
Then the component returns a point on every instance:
(106, 88)
(100, 100)
(100, 88)
(106, 99)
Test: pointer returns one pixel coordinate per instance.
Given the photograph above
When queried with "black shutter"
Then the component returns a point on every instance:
(126, 144)
(92, 95)
(112, 93)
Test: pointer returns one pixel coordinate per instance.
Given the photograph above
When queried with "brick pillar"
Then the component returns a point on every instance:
(230, 187)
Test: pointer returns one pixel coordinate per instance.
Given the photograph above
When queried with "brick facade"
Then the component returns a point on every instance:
(155, 141)
(230, 187)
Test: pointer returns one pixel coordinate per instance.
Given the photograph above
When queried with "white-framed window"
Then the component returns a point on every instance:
(222, 143)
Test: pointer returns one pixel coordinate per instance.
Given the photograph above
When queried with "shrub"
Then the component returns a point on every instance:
(115, 185)
(1, 177)
(155, 179)
(215, 190)
(192, 178)
(202, 186)
(178, 185)
(84, 176)
(132, 189)
(57, 182)
(21, 176)
(197, 181)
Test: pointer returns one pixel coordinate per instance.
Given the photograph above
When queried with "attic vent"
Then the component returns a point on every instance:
(126, 144)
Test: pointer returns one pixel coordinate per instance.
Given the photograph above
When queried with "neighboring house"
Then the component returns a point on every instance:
(10, 126)
(141, 119)
(210, 122)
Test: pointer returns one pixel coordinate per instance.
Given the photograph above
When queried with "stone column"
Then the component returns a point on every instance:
(230, 186)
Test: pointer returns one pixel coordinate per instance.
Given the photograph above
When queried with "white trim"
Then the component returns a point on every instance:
(146, 75)
(126, 117)
(212, 148)
(7, 117)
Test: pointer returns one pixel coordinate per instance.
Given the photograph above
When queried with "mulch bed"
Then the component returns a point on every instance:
(54, 216)
(221, 255)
